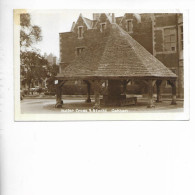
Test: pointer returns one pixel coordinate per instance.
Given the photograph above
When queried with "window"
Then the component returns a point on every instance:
(102, 27)
(79, 50)
(130, 26)
(180, 42)
(170, 39)
(80, 32)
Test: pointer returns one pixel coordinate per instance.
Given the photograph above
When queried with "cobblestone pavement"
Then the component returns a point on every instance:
(47, 106)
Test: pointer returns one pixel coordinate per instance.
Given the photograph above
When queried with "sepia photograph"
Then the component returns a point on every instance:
(81, 62)
(97, 97)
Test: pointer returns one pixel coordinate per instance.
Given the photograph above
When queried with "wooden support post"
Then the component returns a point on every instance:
(150, 94)
(88, 92)
(96, 87)
(88, 100)
(173, 85)
(124, 83)
(158, 91)
(58, 97)
(59, 101)
(97, 99)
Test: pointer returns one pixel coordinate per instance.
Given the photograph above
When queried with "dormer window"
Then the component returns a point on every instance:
(102, 27)
(130, 26)
(80, 32)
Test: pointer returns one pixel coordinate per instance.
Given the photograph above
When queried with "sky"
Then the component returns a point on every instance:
(52, 22)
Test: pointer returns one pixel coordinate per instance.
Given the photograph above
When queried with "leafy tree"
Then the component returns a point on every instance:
(35, 67)
(30, 60)
(29, 34)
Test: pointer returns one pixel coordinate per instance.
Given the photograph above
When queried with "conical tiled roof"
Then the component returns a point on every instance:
(116, 55)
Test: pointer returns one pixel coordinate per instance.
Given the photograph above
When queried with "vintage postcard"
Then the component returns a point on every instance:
(100, 65)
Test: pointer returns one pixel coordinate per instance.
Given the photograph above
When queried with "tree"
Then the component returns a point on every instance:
(29, 34)
(34, 67)
(30, 60)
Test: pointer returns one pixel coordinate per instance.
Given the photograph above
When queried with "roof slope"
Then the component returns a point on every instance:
(88, 22)
(116, 55)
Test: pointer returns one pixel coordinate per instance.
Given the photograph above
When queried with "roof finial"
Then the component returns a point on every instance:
(73, 25)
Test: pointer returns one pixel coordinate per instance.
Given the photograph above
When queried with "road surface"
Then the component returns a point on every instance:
(47, 106)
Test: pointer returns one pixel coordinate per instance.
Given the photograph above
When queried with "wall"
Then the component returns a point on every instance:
(142, 30)
(168, 58)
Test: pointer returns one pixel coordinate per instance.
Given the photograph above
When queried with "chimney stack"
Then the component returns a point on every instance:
(113, 18)
(96, 16)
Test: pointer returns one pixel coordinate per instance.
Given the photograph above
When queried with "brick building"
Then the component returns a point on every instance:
(160, 34)
(168, 44)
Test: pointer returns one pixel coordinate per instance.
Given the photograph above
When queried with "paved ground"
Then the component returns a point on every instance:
(47, 106)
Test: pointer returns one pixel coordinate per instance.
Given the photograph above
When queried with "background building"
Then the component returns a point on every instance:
(52, 60)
